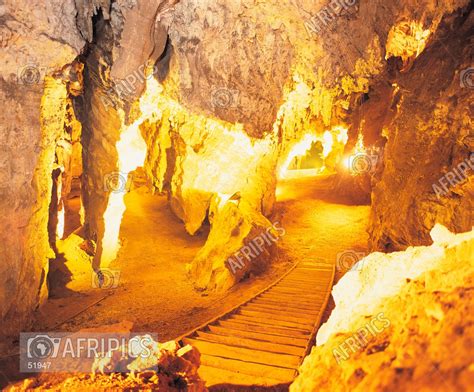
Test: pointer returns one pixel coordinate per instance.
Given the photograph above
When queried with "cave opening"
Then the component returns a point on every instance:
(234, 197)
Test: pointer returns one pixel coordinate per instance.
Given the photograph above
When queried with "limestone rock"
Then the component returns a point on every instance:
(427, 140)
(419, 301)
(241, 241)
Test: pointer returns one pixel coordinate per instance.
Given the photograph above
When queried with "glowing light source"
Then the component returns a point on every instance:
(406, 40)
(327, 142)
(299, 149)
(341, 134)
(331, 140)
(358, 149)
(60, 226)
(131, 149)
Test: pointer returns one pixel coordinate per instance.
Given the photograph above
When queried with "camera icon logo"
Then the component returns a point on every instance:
(30, 74)
(224, 98)
(361, 163)
(43, 346)
(346, 260)
(467, 78)
(117, 182)
(105, 278)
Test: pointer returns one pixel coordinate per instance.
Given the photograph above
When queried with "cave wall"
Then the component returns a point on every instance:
(430, 135)
(33, 46)
(276, 81)
(237, 76)
(313, 81)
(401, 321)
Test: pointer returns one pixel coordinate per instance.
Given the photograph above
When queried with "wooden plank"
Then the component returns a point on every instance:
(294, 295)
(263, 328)
(272, 323)
(243, 367)
(323, 307)
(216, 329)
(272, 301)
(262, 341)
(250, 343)
(274, 309)
(301, 268)
(304, 279)
(299, 293)
(312, 273)
(245, 354)
(275, 316)
(285, 306)
(290, 299)
(215, 376)
(295, 284)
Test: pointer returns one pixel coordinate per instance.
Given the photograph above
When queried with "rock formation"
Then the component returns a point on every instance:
(211, 99)
(400, 319)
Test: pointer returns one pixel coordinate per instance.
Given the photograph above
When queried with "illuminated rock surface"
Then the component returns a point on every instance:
(238, 85)
(425, 296)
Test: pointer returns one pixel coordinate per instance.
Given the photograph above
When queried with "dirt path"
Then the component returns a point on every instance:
(153, 291)
(321, 225)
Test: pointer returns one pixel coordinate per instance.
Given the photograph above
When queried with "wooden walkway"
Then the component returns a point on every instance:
(264, 340)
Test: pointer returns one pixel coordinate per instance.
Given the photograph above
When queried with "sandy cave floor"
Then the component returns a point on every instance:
(153, 290)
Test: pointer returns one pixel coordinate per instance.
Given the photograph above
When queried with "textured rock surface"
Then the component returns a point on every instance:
(235, 227)
(425, 295)
(37, 40)
(166, 367)
(241, 82)
(431, 134)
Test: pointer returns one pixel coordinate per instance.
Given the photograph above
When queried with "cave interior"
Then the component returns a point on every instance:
(273, 195)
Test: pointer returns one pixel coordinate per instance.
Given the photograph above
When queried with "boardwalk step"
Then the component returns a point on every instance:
(264, 340)
(245, 311)
(264, 328)
(245, 354)
(271, 322)
(250, 343)
(223, 376)
(275, 309)
(249, 368)
(299, 342)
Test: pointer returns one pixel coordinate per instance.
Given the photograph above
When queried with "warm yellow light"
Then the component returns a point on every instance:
(60, 226)
(341, 133)
(298, 150)
(328, 143)
(359, 148)
(112, 220)
(131, 149)
(407, 40)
